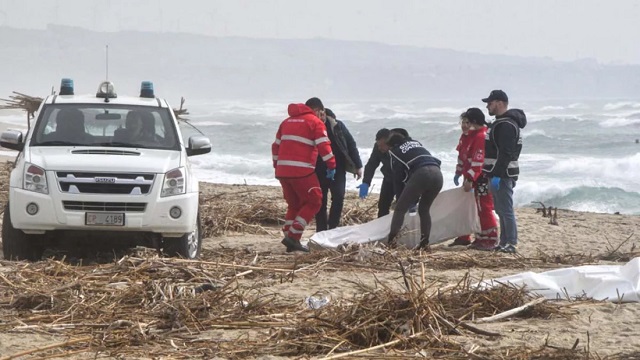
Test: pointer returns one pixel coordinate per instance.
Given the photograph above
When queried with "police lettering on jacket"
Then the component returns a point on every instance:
(409, 156)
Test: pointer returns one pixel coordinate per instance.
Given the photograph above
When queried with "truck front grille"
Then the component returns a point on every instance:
(104, 206)
(104, 183)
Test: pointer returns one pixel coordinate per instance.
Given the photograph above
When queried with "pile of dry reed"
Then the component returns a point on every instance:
(240, 210)
(135, 303)
(419, 320)
(149, 306)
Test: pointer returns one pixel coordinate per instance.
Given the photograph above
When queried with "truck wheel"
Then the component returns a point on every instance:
(16, 245)
(187, 246)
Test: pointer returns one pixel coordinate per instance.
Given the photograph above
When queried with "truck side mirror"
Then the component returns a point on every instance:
(12, 139)
(198, 145)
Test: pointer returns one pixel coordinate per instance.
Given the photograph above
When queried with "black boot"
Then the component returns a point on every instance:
(293, 245)
(424, 243)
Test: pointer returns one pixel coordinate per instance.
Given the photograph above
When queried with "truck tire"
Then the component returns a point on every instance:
(16, 245)
(187, 246)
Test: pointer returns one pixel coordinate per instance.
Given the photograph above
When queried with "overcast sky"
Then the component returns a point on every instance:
(608, 31)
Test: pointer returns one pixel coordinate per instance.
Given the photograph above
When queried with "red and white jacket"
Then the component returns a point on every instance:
(471, 154)
(299, 140)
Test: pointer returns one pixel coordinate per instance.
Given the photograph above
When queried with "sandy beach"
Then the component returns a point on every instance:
(601, 328)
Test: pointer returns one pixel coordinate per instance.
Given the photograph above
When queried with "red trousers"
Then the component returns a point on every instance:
(488, 223)
(304, 199)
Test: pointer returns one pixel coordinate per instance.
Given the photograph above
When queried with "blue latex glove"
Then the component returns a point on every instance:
(331, 173)
(456, 180)
(364, 190)
(495, 183)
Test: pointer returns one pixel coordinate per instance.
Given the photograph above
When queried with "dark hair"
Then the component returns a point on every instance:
(396, 138)
(401, 131)
(329, 113)
(314, 103)
(475, 116)
(382, 134)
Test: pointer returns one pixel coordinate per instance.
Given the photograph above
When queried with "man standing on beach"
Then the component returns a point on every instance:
(299, 140)
(503, 143)
(347, 160)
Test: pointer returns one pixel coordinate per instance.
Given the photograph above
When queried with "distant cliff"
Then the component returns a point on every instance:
(202, 67)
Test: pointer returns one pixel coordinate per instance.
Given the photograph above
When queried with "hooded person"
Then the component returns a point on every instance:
(503, 145)
(471, 150)
(300, 139)
(347, 159)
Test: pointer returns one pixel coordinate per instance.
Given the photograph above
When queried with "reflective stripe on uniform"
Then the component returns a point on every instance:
(327, 157)
(275, 157)
(295, 231)
(301, 221)
(320, 140)
(298, 139)
(295, 163)
(512, 164)
(277, 141)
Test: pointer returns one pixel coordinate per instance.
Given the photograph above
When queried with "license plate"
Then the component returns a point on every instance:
(105, 219)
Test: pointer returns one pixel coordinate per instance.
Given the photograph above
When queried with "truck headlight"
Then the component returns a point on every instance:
(174, 183)
(35, 179)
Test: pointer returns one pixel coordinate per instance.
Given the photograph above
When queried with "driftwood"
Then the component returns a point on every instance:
(30, 104)
(553, 218)
(180, 112)
(511, 312)
(550, 212)
(543, 210)
(48, 347)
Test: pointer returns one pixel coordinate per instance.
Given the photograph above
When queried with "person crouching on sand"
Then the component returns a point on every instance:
(299, 140)
(414, 166)
(470, 161)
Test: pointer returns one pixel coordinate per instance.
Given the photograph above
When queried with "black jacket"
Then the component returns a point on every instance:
(406, 158)
(375, 159)
(503, 143)
(344, 148)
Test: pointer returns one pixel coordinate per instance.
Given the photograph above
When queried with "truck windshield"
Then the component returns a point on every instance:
(106, 125)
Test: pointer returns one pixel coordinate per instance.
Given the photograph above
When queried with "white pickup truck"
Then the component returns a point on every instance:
(102, 169)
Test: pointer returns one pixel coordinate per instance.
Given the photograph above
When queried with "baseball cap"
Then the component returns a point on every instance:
(496, 95)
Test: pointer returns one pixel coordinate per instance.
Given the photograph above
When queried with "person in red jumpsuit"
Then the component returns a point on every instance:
(469, 168)
(299, 140)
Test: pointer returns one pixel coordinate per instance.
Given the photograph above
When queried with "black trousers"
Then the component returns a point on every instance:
(387, 193)
(337, 188)
(424, 184)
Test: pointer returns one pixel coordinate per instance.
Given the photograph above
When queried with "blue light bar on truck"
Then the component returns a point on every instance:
(66, 87)
(146, 89)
